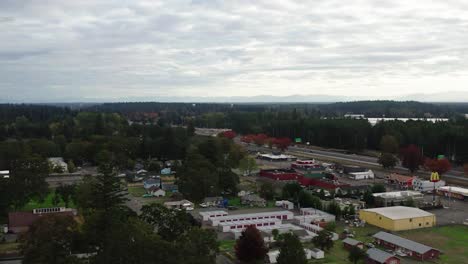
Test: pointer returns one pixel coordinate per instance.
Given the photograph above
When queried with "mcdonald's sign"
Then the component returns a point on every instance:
(435, 177)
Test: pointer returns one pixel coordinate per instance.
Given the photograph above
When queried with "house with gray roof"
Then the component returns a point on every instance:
(377, 256)
(406, 246)
(349, 243)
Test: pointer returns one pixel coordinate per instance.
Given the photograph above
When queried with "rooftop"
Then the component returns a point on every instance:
(378, 255)
(399, 212)
(351, 241)
(399, 194)
(403, 242)
(453, 189)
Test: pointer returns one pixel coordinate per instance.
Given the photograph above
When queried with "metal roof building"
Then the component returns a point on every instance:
(282, 215)
(397, 218)
(378, 256)
(409, 247)
(206, 215)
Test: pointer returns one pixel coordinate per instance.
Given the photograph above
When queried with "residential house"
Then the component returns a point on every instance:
(156, 191)
(401, 181)
(152, 182)
(377, 256)
(349, 243)
(19, 222)
(169, 187)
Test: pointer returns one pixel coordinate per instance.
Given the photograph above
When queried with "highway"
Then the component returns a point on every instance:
(350, 158)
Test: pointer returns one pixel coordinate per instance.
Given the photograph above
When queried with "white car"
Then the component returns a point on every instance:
(203, 205)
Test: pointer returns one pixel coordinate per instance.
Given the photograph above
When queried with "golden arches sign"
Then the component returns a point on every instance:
(435, 177)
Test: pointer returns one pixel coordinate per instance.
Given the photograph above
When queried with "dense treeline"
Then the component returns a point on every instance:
(368, 108)
(84, 137)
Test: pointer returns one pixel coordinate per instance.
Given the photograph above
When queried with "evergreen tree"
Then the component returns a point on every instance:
(291, 250)
(356, 254)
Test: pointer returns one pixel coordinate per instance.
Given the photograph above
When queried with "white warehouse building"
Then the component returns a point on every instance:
(241, 225)
(309, 215)
(207, 215)
(281, 215)
(362, 175)
(422, 185)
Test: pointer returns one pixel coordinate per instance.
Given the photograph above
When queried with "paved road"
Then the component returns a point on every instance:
(353, 158)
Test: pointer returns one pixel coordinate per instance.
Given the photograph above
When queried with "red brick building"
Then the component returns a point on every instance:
(411, 248)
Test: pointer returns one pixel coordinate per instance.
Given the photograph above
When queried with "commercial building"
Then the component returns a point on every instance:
(312, 215)
(241, 225)
(280, 174)
(282, 215)
(396, 218)
(369, 174)
(206, 215)
(406, 246)
(453, 192)
(307, 165)
(422, 185)
(377, 256)
(397, 198)
(401, 181)
(273, 157)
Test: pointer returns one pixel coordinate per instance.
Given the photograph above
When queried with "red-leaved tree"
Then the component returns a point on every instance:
(439, 165)
(260, 139)
(250, 247)
(411, 158)
(282, 143)
(228, 134)
(248, 138)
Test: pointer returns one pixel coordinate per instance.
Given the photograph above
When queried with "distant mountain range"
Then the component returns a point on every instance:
(449, 97)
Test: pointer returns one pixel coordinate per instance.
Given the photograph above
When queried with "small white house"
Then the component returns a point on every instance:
(156, 191)
(314, 253)
(285, 204)
(362, 175)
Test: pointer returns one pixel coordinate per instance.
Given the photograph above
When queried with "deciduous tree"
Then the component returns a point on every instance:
(250, 247)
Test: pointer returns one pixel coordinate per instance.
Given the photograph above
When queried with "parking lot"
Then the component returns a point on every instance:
(454, 211)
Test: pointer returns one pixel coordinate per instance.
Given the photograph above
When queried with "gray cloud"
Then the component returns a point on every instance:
(107, 49)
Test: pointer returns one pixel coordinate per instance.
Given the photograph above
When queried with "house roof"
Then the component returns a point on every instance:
(21, 219)
(400, 178)
(403, 242)
(378, 255)
(154, 188)
(352, 242)
(399, 212)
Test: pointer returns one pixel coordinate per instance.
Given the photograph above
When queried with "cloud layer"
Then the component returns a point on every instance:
(86, 50)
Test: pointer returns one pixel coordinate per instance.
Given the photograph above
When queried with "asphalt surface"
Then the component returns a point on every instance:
(365, 160)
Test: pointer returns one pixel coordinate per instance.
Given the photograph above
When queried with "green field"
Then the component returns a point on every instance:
(452, 240)
(136, 191)
(47, 203)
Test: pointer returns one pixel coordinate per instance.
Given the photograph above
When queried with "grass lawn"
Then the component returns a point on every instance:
(227, 245)
(47, 203)
(136, 191)
(452, 240)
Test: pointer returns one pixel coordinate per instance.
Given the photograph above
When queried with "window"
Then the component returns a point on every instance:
(427, 223)
(419, 224)
(380, 218)
(411, 220)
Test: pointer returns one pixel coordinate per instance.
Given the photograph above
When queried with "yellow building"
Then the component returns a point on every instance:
(398, 218)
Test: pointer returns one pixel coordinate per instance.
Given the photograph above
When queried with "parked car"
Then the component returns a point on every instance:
(203, 205)
(370, 245)
(232, 208)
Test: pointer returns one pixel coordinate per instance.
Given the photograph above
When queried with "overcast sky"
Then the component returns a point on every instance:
(108, 50)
